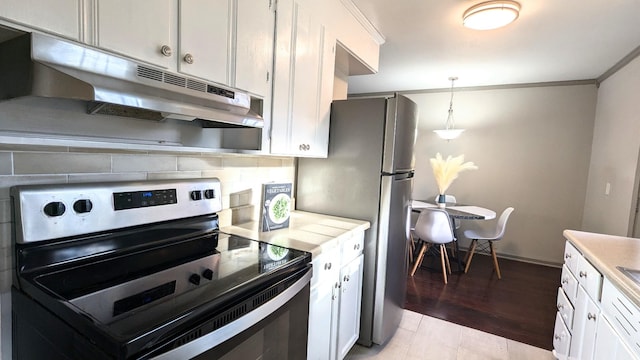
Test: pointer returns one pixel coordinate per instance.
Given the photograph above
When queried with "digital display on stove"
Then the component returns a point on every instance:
(140, 199)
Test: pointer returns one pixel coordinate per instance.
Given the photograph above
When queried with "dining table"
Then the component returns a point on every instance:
(457, 212)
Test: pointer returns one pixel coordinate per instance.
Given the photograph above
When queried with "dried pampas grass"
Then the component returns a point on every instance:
(445, 171)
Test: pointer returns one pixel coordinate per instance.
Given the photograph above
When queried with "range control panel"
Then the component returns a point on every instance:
(138, 199)
(45, 212)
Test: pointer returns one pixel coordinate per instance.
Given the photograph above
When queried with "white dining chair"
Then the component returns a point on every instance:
(434, 227)
(489, 234)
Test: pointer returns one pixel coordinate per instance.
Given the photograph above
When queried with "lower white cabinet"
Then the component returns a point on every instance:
(335, 300)
(585, 321)
(594, 319)
(349, 308)
(609, 345)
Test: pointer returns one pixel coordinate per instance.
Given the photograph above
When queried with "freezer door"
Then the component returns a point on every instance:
(392, 263)
(400, 135)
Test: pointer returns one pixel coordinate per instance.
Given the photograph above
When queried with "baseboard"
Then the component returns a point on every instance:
(519, 258)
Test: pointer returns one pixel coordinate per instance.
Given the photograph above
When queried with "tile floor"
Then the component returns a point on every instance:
(425, 337)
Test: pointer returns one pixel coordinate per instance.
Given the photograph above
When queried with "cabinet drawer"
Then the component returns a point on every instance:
(565, 308)
(561, 339)
(589, 278)
(326, 266)
(624, 315)
(569, 284)
(571, 256)
(352, 247)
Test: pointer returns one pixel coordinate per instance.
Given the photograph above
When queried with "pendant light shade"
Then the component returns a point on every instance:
(490, 15)
(449, 132)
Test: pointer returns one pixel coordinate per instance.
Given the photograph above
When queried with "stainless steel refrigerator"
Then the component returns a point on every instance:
(369, 175)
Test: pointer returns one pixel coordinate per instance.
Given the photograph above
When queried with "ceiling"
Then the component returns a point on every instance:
(552, 40)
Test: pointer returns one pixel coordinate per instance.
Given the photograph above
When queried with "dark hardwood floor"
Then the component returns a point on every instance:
(521, 306)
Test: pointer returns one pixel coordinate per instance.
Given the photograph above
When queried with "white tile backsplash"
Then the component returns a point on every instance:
(6, 163)
(199, 163)
(60, 163)
(5, 210)
(148, 163)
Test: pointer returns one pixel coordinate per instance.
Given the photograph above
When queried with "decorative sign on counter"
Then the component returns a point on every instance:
(276, 203)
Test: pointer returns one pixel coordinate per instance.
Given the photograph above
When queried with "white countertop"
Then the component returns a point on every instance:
(307, 231)
(606, 252)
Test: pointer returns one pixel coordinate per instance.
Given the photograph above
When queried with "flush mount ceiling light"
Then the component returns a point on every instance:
(450, 132)
(490, 15)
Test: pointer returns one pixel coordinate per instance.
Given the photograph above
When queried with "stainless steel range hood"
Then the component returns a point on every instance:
(43, 66)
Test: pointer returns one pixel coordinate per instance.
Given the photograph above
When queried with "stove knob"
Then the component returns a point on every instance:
(83, 206)
(196, 195)
(209, 194)
(207, 274)
(54, 208)
(194, 279)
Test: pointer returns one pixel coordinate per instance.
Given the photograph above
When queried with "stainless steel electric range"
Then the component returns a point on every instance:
(140, 270)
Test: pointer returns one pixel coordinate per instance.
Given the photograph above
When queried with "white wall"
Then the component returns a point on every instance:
(532, 146)
(614, 159)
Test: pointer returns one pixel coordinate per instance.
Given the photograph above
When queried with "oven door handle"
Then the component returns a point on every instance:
(217, 337)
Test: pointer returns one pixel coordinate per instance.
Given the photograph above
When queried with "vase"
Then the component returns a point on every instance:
(442, 201)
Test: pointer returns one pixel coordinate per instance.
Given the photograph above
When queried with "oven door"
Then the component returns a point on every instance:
(276, 330)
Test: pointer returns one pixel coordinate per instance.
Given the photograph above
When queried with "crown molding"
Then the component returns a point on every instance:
(371, 29)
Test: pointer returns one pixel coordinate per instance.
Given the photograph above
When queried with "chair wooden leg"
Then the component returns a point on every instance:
(419, 259)
(444, 269)
(470, 256)
(446, 257)
(411, 243)
(495, 259)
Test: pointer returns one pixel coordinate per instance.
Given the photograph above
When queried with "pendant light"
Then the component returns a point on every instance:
(491, 15)
(450, 132)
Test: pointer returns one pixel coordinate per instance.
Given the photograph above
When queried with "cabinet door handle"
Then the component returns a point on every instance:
(591, 316)
(557, 337)
(567, 256)
(560, 306)
(346, 278)
(188, 58)
(166, 50)
(327, 266)
(565, 281)
(583, 274)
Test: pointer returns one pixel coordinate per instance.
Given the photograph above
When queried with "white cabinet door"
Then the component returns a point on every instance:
(143, 29)
(205, 39)
(299, 126)
(349, 308)
(60, 17)
(321, 321)
(609, 345)
(255, 21)
(585, 324)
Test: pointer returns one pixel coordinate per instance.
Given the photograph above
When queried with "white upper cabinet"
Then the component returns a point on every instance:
(229, 42)
(205, 39)
(255, 22)
(60, 17)
(304, 64)
(142, 29)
